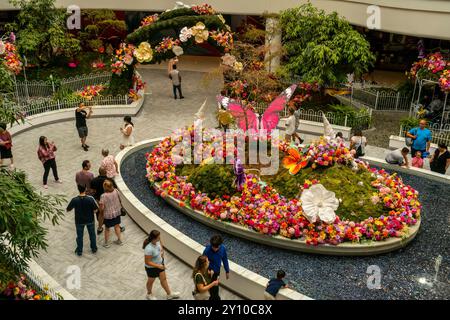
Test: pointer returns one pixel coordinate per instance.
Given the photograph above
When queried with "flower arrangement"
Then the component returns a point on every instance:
(21, 290)
(261, 208)
(134, 95)
(138, 83)
(9, 56)
(166, 44)
(122, 58)
(444, 81)
(431, 66)
(98, 65)
(204, 9)
(90, 92)
(144, 53)
(223, 39)
(149, 20)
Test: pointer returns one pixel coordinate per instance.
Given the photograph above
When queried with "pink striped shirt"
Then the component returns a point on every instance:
(110, 202)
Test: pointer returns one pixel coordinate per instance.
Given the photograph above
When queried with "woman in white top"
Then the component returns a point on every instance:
(358, 143)
(127, 133)
(290, 126)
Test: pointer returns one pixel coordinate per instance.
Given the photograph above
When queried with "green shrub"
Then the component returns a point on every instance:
(408, 123)
(213, 179)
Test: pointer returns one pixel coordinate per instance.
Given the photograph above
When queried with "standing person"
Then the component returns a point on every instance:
(421, 138)
(399, 156)
(84, 206)
(5, 146)
(202, 279)
(417, 161)
(274, 285)
(171, 63)
(84, 177)
(80, 122)
(216, 254)
(109, 163)
(127, 133)
(358, 143)
(98, 190)
(297, 122)
(441, 159)
(154, 265)
(110, 207)
(46, 153)
(174, 75)
(290, 126)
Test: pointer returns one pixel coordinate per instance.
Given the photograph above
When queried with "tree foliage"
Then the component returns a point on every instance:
(22, 212)
(322, 47)
(41, 31)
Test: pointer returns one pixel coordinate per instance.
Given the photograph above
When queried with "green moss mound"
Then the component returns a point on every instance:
(356, 204)
(213, 179)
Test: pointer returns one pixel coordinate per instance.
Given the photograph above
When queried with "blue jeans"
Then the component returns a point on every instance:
(92, 236)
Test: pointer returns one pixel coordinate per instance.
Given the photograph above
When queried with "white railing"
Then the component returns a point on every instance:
(38, 283)
(440, 133)
(380, 100)
(46, 105)
(28, 89)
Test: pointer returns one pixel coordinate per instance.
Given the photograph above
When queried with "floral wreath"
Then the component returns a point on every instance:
(261, 208)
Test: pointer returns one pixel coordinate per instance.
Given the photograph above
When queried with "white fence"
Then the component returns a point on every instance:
(38, 283)
(440, 134)
(29, 89)
(381, 100)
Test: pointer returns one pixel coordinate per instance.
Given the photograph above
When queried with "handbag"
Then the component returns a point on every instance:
(409, 141)
(200, 295)
(360, 151)
(123, 212)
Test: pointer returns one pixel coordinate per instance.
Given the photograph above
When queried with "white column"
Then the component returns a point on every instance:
(273, 44)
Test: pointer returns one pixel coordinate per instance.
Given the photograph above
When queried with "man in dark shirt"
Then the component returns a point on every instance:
(80, 122)
(84, 206)
(97, 188)
(216, 254)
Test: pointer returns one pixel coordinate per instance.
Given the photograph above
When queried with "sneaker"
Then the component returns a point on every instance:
(85, 148)
(94, 251)
(107, 244)
(173, 295)
(99, 231)
(122, 229)
(58, 181)
(119, 242)
(45, 186)
(175, 98)
(181, 97)
(150, 297)
(78, 253)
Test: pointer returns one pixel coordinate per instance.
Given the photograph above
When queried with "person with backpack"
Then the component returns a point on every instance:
(358, 144)
(202, 279)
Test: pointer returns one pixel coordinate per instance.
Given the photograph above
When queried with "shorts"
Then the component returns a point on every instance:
(5, 153)
(153, 272)
(110, 223)
(82, 132)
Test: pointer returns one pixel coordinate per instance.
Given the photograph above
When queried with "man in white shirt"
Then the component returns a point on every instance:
(174, 75)
(290, 126)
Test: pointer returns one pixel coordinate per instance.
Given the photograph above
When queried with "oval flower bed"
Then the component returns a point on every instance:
(315, 215)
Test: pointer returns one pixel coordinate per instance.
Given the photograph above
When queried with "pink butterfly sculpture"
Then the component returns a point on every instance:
(247, 119)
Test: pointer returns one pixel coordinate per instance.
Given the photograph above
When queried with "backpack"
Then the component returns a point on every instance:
(360, 149)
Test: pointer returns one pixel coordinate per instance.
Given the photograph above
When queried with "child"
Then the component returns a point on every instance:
(340, 138)
(274, 285)
(417, 161)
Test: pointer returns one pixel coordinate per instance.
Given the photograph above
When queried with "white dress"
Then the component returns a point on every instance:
(128, 140)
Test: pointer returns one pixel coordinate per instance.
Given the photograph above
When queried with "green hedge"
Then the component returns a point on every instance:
(213, 179)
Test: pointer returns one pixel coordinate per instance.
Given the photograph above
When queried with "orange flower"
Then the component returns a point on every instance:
(294, 161)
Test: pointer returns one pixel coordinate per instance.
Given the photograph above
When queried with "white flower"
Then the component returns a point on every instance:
(238, 66)
(221, 18)
(2, 47)
(318, 202)
(185, 34)
(177, 50)
(228, 60)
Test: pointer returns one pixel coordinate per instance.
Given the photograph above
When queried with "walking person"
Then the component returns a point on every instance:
(440, 160)
(84, 177)
(110, 164)
(110, 210)
(295, 135)
(154, 265)
(84, 206)
(202, 279)
(46, 153)
(174, 75)
(216, 253)
(98, 190)
(358, 144)
(274, 285)
(290, 126)
(399, 156)
(5, 146)
(81, 114)
(421, 137)
(127, 133)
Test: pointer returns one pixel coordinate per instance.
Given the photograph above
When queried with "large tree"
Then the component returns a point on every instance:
(42, 33)
(22, 213)
(322, 47)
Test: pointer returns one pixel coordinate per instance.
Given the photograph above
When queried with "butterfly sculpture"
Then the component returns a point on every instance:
(247, 119)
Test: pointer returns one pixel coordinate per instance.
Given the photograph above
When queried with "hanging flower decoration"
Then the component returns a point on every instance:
(9, 56)
(204, 9)
(444, 81)
(430, 66)
(200, 32)
(123, 58)
(166, 44)
(319, 203)
(144, 52)
(223, 39)
(149, 20)
(177, 50)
